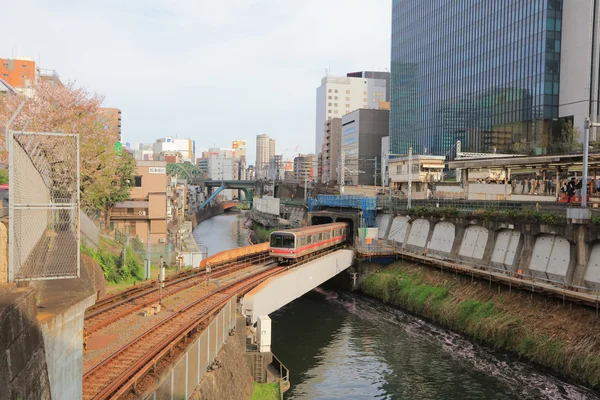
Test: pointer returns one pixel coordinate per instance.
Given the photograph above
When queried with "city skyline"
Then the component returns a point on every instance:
(134, 54)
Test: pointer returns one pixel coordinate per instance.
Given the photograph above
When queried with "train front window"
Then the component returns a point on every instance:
(282, 241)
(288, 242)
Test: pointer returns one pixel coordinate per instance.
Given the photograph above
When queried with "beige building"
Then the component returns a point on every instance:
(145, 214)
(265, 150)
(305, 167)
(426, 170)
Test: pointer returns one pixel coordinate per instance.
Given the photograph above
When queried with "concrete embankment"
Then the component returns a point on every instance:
(561, 337)
(205, 214)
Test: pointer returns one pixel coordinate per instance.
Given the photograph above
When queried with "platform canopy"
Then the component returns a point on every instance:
(562, 162)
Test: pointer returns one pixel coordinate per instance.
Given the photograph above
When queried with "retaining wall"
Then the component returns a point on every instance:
(181, 379)
(559, 254)
(206, 213)
(23, 370)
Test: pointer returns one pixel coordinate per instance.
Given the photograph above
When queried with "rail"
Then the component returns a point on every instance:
(527, 282)
(160, 339)
(284, 374)
(110, 378)
(101, 317)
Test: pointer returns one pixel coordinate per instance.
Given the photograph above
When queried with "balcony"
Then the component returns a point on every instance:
(130, 210)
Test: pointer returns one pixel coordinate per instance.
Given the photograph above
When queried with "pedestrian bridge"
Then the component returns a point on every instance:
(284, 288)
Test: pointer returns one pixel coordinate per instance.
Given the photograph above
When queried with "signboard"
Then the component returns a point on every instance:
(157, 170)
(238, 144)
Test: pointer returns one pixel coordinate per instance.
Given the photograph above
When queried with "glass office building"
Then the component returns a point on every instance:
(485, 72)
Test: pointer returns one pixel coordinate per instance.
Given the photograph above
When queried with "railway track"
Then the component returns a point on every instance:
(120, 372)
(118, 306)
(109, 377)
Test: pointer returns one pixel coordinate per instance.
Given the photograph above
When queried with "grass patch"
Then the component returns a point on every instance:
(116, 270)
(482, 320)
(262, 233)
(265, 391)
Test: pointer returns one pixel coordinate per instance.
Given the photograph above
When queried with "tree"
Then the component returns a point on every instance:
(567, 141)
(105, 177)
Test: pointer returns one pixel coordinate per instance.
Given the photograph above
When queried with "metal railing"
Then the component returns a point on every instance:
(44, 219)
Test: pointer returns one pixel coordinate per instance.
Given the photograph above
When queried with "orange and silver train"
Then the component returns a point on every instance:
(299, 243)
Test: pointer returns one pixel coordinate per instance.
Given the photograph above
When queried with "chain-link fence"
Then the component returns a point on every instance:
(44, 235)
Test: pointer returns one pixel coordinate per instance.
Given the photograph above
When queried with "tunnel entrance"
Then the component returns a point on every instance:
(320, 220)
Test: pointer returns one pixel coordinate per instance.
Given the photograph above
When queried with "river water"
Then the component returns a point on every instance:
(346, 346)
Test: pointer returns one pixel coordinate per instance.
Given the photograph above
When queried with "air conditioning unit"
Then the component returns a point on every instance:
(142, 213)
(162, 240)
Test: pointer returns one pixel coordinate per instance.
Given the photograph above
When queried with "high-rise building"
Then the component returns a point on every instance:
(338, 96)
(112, 121)
(265, 151)
(362, 131)
(330, 152)
(509, 73)
(305, 167)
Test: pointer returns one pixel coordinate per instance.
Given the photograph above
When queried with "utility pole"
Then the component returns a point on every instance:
(586, 147)
(375, 174)
(342, 172)
(408, 204)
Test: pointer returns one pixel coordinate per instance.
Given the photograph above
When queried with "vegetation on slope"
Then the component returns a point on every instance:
(537, 329)
(265, 391)
(109, 256)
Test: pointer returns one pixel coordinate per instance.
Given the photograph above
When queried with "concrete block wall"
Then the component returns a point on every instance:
(181, 379)
(23, 371)
(568, 254)
(63, 342)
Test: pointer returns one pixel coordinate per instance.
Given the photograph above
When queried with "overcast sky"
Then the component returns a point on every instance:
(213, 71)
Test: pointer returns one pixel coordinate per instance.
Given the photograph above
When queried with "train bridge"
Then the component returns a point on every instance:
(165, 354)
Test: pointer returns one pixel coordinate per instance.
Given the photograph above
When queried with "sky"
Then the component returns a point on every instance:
(213, 71)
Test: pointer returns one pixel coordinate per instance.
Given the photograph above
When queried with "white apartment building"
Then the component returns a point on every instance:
(338, 96)
(186, 147)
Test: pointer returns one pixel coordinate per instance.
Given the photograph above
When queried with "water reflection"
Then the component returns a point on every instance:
(349, 347)
(223, 232)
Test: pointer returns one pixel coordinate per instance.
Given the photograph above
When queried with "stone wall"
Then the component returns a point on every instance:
(233, 380)
(23, 370)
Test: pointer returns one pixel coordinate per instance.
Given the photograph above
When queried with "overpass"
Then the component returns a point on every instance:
(246, 186)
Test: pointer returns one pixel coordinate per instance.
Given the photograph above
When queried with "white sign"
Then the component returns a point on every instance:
(157, 170)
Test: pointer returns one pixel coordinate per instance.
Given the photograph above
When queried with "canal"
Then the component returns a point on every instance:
(346, 346)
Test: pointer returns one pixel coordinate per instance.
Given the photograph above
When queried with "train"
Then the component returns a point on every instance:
(291, 245)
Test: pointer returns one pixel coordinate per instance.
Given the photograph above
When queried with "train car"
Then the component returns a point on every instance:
(296, 244)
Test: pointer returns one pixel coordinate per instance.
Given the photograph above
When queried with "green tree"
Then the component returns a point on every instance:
(3, 176)
(567, 140)
(105, 176)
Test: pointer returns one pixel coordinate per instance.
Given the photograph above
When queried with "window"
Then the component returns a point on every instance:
(328, 111)
(329, 90)
(336, 90)
(329, 104)
(309, 239)
(335, 104)
(365, 99)
(347, 98)
(5, 74)
(329, 97)
(365, 93)
(282, 240)
(398, 169)
(335, 111)
(347, 105)
(23, 66)
(138, 181)
(335, 98)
